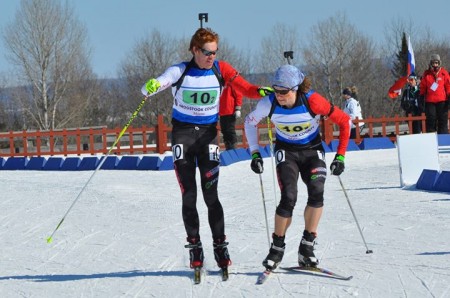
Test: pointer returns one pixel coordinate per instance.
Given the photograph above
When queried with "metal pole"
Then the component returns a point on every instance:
(265, 211)
(368, 251)
(272, 158)
(135, 113)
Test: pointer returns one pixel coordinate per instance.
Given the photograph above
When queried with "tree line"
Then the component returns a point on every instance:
(57, 88)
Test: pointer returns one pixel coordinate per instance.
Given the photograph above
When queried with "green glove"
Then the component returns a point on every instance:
(152, 86)
(264, 91)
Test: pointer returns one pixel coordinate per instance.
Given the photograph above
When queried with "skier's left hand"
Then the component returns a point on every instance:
(264, 91)
(257, 163)
(337, 166)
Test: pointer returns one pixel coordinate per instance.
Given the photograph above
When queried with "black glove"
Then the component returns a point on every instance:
(337, 166)
(257, 163)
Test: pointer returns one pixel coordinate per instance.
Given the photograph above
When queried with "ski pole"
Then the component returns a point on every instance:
(368, 251)
(135, 113)
(272, 153)
(264, 205)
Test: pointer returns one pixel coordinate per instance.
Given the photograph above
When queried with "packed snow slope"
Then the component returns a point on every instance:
(124, 237)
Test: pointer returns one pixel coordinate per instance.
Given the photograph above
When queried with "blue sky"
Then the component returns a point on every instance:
(114, 26)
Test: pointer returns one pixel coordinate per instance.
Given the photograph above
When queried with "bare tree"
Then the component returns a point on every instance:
(47, 44)
(424, 43)
(393, 34)
(153, 55)
(281, 38)
(428, 44)
(239, 59)
(337, 55)
(3, 113)
(148, 59)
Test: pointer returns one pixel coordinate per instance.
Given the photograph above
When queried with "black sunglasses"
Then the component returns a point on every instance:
(282, 92)
(208, 53)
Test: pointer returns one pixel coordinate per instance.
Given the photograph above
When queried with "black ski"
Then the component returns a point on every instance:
(197, 275)
(319, 271)
(198, 272)
(263, 277)
(224, 272)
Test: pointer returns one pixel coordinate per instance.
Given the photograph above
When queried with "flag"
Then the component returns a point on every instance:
(411, 66)
(396, 89)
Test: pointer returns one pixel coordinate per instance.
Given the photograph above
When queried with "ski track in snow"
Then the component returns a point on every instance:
(125, 237)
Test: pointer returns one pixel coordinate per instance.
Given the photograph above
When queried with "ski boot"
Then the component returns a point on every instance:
(306, 255)
(221, 252)
(222, 256)
(195, 252)
(276, 253)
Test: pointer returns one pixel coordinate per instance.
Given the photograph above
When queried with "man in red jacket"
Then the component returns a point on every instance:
(435, 88)
(229, 111)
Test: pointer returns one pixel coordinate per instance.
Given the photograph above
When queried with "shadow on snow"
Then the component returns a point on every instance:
(125, 274)
(436, 253)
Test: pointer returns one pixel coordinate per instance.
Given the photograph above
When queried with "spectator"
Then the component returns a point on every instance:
(435, 88)
(352, 108)
(229, 111)
(412, 102)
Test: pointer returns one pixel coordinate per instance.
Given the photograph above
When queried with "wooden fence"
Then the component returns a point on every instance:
(145, 140)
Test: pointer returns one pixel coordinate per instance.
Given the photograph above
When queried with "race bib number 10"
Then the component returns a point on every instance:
(200, 98)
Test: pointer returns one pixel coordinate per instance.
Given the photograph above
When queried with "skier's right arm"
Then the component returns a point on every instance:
(164, 81)
(251, 122)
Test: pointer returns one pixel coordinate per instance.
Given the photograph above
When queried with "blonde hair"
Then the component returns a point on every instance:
(354, 90)
(202, 36)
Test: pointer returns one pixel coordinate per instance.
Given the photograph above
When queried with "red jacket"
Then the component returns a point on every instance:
(442, 79)
(235, 88)
(229, 100)
(321, 106)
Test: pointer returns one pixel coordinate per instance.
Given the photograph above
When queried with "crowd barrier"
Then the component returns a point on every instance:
(157, 162)
(430, 180)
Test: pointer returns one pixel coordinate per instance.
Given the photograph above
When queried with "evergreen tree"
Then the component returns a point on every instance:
(399, 68)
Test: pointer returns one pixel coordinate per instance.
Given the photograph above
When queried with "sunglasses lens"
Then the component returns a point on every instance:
(208, 53)
(282, 92)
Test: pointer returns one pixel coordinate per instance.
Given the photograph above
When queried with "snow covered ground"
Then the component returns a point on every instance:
(125, 237)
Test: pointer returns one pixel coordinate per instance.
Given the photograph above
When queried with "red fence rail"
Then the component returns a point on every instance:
(145, 140)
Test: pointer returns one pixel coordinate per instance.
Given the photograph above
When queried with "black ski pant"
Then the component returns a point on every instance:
(437, 116)
(228, 128)
(197, 146)
(310, 165)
